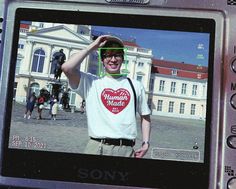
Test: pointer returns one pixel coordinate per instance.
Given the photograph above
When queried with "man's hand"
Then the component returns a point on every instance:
(142, 151)
(100, 41)
(146, 128)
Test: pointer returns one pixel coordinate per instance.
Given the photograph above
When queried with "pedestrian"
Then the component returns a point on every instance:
(51, 101)
(55, 107)
(111, 101)
(65, 100)
(40, 105)
(30, 103)
(82, 107)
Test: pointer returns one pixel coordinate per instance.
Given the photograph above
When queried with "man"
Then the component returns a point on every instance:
(110, 101)
(30, 102)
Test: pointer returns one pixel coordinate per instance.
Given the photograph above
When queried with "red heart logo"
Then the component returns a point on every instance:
(115, 100)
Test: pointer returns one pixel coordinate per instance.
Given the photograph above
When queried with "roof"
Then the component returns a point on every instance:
(179, 69)
(26, 26)
(179, 66)
(131, 44)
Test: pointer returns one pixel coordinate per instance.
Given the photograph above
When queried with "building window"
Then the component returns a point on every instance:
(23, 30)
(139, 78)
(172, 87)
(140, 64)
(193, 109)
(38, 61)
(41, 25)
(14, 90)
(151, 85)
(84, 30)
(18, 64)
(162, 85)
(199, 76)
(194, 90)
(34, 87)
(174, 71)
(184, 87)
(72, 96)
(181, 109)
(126, 62)
(171, 107)
(20, 46)
(159, 105)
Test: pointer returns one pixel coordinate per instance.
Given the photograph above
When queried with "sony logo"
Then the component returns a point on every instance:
(129, 1)
(99, 174)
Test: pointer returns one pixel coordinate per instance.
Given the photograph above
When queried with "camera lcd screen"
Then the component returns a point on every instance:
(171, 56)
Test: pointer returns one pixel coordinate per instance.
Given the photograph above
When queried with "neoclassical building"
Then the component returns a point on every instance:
(172, 88)
(178, 89)
(39, 41)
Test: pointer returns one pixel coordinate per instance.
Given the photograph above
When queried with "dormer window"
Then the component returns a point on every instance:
(174, 71)
(140, 64)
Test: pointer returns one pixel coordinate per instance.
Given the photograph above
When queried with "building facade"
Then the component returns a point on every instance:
(178, 90)
(34, 68)
(173, 89)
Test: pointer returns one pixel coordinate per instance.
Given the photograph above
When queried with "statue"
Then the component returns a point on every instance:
(58, 59)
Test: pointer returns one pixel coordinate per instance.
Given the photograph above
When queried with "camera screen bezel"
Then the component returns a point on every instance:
(66, 166)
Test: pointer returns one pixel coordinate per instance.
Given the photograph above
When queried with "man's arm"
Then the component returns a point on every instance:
(71, 66)
(146, 129)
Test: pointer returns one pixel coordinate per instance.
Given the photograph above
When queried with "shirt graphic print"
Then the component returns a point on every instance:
(115, 100)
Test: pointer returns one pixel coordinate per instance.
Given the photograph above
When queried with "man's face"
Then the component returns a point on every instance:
(112, 61)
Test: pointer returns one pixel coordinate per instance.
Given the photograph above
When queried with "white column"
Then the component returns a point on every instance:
(46, 65)
(148, 75)
(134, 67)
(68, 54)
(27, 62)
(49, 63)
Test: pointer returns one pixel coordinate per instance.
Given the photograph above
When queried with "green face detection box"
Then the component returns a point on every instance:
(123, 72)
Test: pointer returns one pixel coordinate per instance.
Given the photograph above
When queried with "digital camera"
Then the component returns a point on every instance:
(182, 51)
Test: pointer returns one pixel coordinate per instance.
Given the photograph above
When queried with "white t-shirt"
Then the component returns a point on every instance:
(110, 105)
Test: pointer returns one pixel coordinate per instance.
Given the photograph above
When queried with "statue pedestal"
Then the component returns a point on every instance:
(56, 89)
(61, 94)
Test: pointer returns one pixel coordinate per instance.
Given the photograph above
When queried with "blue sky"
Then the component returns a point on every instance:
(188, 47)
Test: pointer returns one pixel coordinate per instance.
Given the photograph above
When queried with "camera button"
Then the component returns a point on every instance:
(233, 129)
(233, 101)
(231, 141)
(233, 65)
(232, 183)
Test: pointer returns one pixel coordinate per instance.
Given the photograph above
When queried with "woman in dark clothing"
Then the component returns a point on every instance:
(30, 105)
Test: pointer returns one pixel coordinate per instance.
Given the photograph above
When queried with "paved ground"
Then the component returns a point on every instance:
(69, 133)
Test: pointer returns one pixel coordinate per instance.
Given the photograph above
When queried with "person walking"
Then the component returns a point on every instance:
(55, 107)
(40, 104)
(30, 103)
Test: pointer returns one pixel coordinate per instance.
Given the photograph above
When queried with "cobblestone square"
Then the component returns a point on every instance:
(68, 133)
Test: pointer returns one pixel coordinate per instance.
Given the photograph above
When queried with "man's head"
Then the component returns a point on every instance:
(112, 55)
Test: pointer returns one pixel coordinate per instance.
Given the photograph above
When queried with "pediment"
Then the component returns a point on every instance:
(60, 32)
